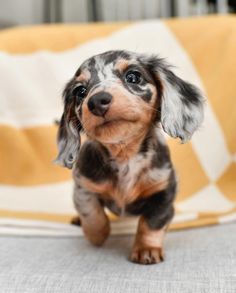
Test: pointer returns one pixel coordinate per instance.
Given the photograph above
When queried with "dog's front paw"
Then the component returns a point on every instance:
(97, 237)
(147, 255)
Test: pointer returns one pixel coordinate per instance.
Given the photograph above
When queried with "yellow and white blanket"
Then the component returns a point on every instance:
(35, 63)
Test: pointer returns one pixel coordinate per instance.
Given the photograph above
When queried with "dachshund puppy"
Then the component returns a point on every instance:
(120, 100)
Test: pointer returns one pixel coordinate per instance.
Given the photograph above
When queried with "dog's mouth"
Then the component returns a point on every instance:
(111, 129)
(111, 123)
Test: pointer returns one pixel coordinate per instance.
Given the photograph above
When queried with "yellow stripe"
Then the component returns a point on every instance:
(26, 156)
(53, 37)
(36, 216)
(185, 161)
(201, 221)
(194, 224)
(227, 183)
(218, 214)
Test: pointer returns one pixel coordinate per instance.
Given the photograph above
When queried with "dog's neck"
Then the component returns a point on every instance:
(124, 151)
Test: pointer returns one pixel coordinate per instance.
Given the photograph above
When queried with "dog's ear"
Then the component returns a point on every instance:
(181, 102)
(68, 135)
(68, 141)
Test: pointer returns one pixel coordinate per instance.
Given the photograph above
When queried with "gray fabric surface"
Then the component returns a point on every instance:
(199, 260)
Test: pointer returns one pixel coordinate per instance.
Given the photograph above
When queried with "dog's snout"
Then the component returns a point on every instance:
(99, 103)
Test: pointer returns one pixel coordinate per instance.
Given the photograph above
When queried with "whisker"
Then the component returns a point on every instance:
(154, 109)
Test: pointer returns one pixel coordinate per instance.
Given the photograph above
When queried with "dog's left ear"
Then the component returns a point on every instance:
(181, 103)
(68, 141)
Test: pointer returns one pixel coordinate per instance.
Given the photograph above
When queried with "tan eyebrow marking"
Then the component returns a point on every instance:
(122, 65)
(84, 76)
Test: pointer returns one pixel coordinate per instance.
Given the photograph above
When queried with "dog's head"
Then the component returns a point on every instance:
(117, 95)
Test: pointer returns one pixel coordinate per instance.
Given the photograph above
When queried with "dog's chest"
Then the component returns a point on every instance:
(130, 174)
(131, 180)
(137, 179)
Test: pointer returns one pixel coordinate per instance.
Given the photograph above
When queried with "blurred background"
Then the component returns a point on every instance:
(36, 195)
(25, 12)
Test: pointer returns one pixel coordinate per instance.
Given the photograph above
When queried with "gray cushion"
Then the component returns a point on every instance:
(198, 260)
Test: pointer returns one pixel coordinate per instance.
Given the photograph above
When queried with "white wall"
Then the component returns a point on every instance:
(21, 11)
(33, 11)
(75, 11)
(112, 10)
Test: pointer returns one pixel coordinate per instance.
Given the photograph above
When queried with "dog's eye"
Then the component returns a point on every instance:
(79, 92)
(133, 76)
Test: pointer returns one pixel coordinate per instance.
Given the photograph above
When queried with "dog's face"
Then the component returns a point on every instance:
(118, 95)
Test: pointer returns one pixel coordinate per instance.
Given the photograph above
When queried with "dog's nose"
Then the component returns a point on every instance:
(99, 103)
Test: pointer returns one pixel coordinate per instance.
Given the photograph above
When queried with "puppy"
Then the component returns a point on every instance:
(121, 101)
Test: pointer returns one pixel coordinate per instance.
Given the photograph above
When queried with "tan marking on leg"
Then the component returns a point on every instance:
(148, 244)
(96, 227)
(102, 188)
(95, 223)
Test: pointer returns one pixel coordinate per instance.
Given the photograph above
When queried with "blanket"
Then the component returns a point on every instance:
(36, 62)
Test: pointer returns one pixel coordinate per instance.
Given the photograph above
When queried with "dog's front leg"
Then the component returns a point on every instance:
(95, 223)
(148, 244)
(155, 217)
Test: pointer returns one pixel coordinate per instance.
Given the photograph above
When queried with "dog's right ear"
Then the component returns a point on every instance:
(68, 141)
